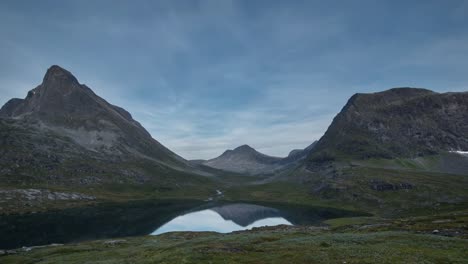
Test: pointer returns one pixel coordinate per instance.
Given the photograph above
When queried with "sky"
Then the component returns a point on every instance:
(210, 75)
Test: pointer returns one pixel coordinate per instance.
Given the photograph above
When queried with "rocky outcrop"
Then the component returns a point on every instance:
(40, 195)
(385, 186)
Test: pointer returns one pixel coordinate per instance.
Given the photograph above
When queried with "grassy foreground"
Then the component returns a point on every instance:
(346, 240)
(260, 247)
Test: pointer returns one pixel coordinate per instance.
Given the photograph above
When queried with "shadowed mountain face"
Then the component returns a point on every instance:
(245, 159)
(62, 129)
(400, 122)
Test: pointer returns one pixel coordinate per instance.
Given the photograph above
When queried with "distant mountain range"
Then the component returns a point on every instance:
(245, 159)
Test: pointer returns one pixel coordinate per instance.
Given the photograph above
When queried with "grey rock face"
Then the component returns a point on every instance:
(400, 122)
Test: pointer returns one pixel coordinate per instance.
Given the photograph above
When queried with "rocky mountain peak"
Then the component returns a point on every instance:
(62, 105)
(58, 74)
(399, 122)
(58, 98)
(244, 148)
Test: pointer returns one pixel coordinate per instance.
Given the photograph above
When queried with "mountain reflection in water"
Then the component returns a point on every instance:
(152, 217)
(225, 219)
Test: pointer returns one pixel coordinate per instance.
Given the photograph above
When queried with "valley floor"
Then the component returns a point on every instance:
(435, 239)
(418, 217)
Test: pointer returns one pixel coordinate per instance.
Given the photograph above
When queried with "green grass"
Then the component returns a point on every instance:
(268, 245)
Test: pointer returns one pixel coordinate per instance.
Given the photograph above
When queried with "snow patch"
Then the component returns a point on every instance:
(461, 152)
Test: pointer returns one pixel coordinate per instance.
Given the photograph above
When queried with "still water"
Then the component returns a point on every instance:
(225, 219)
(152, 218)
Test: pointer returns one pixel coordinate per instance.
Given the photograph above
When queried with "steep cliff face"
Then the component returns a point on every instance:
(400, 122)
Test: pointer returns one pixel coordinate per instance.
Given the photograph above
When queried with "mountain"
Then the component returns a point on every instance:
(63, 132)
(64, 105)
(245, 159)
(400, 122)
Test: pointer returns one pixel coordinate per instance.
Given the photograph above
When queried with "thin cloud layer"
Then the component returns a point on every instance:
(205, 76)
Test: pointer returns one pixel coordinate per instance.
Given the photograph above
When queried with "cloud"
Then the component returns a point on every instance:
(205, 76)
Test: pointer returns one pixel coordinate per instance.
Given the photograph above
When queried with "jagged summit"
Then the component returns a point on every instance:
(57, 97)
(56, 73)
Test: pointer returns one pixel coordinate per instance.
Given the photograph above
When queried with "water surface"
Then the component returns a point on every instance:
(152, 217)
(225, 219)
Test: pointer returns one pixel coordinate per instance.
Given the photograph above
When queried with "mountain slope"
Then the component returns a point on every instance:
(63, 133)
(400, 122)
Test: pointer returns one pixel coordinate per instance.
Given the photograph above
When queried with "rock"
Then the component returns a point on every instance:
(435, 231)
(114, 242)
(378, 185)
(441, 221)
(26, 249)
